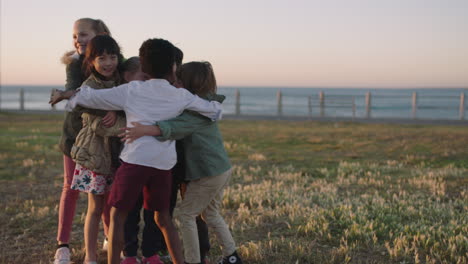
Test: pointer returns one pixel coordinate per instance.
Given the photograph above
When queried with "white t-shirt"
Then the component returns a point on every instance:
(147, 102)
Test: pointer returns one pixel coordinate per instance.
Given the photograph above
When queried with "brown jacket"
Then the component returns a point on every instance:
(94, 146)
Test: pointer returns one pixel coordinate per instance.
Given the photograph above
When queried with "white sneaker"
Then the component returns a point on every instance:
(62, 256)
(104, 244)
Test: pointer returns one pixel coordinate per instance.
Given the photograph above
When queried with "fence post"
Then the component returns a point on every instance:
(279, 98)
(462, 106)
(368, 104)
(415, 104)
(52, 106)
(354, 106)
(322, 103)
(21, 99)
(309, 103)
(237, 102)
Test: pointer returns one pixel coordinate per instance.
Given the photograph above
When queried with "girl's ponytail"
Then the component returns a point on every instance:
(98, 26)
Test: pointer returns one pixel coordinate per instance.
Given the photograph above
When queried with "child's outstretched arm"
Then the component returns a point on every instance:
(58, 95)
(181, 126)
(130, 134)
(172, 129)
(105, 99)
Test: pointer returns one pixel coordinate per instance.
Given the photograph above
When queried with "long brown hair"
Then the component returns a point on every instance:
(198, 77)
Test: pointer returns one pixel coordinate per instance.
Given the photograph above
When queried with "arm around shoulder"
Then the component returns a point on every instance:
(106, 99)
(181, 126)
(210, 109)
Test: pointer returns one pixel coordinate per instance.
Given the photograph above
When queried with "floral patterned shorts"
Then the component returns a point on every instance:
(86, 180)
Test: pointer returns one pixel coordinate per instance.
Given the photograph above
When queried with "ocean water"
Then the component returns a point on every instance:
(442, 103)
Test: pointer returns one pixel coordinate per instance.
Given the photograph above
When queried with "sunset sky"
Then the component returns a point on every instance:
(328, 43)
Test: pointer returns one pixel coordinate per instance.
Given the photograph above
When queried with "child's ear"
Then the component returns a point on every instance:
(126, 76)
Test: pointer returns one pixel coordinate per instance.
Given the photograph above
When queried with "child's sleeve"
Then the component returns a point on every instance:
(74, 76)
(181, 126)
(80, 109)
(212, 110)
(106, 99)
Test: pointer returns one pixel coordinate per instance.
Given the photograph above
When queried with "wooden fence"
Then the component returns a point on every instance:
(346, 102)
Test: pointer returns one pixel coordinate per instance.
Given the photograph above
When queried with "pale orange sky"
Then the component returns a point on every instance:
(347, 43)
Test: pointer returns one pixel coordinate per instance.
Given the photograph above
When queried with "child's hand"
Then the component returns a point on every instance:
(182, 189)
(109, 119)
(55, 96)
(138, 130)
(59, 95)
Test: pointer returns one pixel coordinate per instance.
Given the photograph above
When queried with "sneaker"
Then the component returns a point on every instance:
(62, 256)
(231, 259)
(104, 244)
(130, 260)
(152, 260)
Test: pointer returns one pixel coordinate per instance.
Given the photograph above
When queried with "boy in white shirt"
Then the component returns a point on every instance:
(146, 163)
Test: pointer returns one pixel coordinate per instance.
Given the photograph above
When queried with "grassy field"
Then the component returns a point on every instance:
(302, 192)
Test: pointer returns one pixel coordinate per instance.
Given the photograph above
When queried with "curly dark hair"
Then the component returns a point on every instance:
(157, 57)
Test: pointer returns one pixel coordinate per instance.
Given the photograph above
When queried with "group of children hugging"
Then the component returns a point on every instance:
(125, 119)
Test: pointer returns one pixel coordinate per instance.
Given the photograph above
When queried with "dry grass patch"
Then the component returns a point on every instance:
(302, 192)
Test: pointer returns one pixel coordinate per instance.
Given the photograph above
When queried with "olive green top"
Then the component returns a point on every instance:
(203, 146)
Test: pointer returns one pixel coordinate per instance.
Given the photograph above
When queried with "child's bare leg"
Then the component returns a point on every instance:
(116, 235)
(174, 246)
(105, 217)
(91, 227)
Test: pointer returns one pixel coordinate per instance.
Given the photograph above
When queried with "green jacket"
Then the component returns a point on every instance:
(204, 151)
(73, 123)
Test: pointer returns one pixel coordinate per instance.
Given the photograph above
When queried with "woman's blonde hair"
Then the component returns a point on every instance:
(198, 77)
